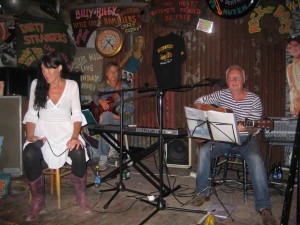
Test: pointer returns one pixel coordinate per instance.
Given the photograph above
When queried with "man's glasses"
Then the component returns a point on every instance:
(234, 78)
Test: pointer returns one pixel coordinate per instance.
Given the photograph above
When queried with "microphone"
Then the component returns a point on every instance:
(145, 88)
(39, 143)
(221, 82)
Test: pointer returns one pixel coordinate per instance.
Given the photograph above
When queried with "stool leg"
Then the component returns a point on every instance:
(214, 170)
(57, 175)
(30, 198)
(126, 141)
(52, 183)
(225, 169)
(245, 180)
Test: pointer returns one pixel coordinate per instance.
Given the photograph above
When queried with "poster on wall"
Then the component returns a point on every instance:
(231, 9)
(182, 14)
(8, 54)
(89, 62)
(266, 13)
(37, 37)
(86, 20)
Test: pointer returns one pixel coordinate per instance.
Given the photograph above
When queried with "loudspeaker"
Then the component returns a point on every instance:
(11, 130)
(179, 153)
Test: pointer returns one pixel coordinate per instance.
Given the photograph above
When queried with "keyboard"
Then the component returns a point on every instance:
(139, 131)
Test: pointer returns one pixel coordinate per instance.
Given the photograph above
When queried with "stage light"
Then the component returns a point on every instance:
(15, 7)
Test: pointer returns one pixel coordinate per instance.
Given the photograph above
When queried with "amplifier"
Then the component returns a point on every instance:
(178, 153)
(11, 130)
(284, 130)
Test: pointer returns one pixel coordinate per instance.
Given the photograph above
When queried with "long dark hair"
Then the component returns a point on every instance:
(51, 60)
(293, 38)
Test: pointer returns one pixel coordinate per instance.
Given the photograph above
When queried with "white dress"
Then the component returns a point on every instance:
(56, 122)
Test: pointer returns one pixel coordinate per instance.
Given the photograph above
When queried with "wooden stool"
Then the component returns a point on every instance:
(57, 173)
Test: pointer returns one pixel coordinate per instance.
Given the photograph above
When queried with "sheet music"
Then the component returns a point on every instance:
(223, 126)
(89, 116)
(196, 121)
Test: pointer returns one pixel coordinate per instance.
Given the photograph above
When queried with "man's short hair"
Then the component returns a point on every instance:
(238, 68)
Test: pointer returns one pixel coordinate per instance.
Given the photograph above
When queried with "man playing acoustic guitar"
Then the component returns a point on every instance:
(108, 109)
(245, 105)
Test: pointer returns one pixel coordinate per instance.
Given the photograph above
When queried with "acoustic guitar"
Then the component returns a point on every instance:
(265, 123)
(98, 110)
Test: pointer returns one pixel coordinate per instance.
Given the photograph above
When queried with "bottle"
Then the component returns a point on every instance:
(274, 172)
(97, 177)
(279, 171)
(125, 174)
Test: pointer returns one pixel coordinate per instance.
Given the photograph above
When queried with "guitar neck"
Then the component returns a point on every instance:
(114, 104)
(249, 123)
(265, 123)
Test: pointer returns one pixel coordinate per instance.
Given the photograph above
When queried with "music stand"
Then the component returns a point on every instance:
(120, 185)
(210, 125)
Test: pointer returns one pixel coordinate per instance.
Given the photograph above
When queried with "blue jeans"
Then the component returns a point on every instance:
(105, 119)
(251, 153)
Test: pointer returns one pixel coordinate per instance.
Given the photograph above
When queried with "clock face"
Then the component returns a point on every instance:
(109, 42)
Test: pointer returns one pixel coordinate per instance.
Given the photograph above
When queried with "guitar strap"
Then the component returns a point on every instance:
(117, 87)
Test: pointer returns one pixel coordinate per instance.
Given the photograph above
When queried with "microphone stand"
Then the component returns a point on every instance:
(120, 185)
(161, 203)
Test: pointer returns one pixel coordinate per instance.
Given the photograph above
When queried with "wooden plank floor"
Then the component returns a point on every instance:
(128, 209)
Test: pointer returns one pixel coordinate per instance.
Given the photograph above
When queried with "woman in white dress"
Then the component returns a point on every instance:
(53, 123)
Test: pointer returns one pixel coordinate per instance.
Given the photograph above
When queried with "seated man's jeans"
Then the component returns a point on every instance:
(105, 119)
(251, 153)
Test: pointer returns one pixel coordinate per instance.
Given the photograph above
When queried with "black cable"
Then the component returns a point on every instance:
(125, 210)
(91, 160)
(67, 149)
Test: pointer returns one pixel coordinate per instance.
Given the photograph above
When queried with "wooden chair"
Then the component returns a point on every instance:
(57, 174)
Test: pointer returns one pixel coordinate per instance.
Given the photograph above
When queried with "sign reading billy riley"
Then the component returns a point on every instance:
(86, 20)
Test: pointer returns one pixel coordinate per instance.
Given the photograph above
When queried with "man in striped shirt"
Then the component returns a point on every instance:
(244, 104)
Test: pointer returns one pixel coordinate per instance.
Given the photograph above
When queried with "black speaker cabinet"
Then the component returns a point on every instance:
(11, 130)
(179, 153)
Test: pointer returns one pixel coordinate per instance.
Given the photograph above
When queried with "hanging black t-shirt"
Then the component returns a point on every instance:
(168, 54)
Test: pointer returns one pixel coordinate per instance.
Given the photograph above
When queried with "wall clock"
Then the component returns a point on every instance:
(109, 42)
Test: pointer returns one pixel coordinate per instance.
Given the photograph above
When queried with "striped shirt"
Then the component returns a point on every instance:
(248, 108)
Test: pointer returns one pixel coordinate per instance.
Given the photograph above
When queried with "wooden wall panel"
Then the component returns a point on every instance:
(209, 55)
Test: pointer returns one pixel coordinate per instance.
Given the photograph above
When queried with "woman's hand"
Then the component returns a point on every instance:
(74, 143)
(35, 138)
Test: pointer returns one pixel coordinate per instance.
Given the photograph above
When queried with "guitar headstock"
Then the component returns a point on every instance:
(266, 123)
